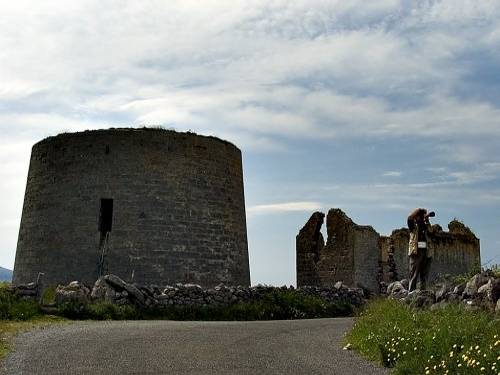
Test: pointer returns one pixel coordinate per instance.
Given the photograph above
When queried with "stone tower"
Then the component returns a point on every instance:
(149, 205)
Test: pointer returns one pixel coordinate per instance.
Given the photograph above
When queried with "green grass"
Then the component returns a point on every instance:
(447, 341)
(17, 314)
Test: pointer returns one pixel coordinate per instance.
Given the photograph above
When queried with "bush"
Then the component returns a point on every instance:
(24, 310)
(451, 340)
(495, 268)
(464, 278)
(98, 311)
(49, 296)
(14, 308)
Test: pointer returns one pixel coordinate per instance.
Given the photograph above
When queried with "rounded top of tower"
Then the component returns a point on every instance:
(123, 131)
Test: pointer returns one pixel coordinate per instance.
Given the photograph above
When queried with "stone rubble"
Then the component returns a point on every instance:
(73, 292)
(480, 291)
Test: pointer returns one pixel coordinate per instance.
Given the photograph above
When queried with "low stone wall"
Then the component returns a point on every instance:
(26, 291)
(112, 289)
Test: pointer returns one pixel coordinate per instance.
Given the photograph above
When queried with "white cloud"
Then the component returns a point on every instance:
(392, 174)
(479, 173)
(261, 74)
(407, 195)
(302, 69)
(276, 208)
(14, 159)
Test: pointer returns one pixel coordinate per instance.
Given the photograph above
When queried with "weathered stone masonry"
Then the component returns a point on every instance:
(359, 256)
(454, 252)
(149, 205)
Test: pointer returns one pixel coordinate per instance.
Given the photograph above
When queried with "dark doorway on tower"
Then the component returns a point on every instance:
(105, 226)
(106, 215)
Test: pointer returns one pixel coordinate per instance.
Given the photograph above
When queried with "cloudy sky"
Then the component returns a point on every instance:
(376, 107)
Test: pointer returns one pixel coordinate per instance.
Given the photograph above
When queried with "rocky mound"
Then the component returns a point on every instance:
(480, 291)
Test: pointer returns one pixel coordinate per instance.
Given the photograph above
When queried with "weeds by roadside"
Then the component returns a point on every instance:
(8, 328)
(14, 308)
(17, 314)
(448, 341)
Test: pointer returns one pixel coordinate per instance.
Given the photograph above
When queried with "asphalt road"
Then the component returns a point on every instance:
(166, 347)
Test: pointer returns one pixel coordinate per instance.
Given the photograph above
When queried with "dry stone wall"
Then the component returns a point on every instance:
(112, 289)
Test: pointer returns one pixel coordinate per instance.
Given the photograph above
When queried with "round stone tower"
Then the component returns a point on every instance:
(149, 205)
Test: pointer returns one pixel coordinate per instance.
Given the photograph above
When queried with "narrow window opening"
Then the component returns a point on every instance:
(105, 224)
(107, 149)
(106, 215)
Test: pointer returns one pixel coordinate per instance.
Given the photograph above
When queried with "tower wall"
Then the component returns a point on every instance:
(177, 209)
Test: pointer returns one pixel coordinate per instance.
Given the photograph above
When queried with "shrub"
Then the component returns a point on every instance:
(107, 311)
(495, 268)
(14, 308)
(49, 296)
(464, 278)
(98, 311)
(24, 310)
(452, 340)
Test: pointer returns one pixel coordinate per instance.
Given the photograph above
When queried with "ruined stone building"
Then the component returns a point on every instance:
(149, 205)
(359, 256)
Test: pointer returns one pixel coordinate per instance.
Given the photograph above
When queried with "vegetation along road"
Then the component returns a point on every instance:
(169, 347)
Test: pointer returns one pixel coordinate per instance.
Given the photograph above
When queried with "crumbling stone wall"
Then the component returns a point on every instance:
(172, 203)
(309, 244)
(455, 252)
(388, 270)
(394, 255)
(350, 255)
(359, 256)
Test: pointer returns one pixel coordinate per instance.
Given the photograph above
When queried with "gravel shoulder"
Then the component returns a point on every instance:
(168, 347)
